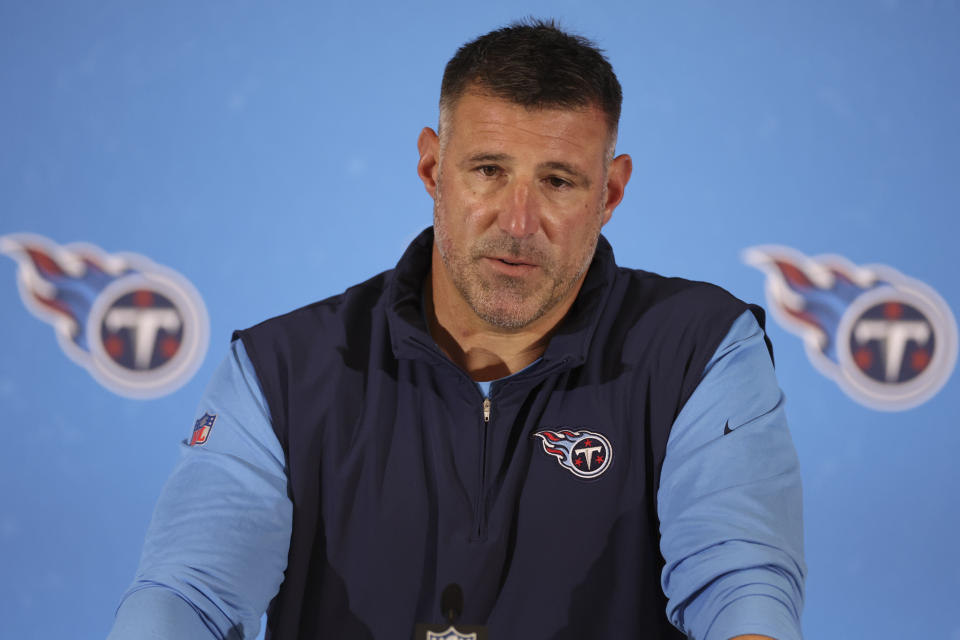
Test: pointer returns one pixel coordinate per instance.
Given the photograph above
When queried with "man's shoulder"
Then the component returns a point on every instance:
(669, 315)
(360, 299)
(647, 292)
(328, 319)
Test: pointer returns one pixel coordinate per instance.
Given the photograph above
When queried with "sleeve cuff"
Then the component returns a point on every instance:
(156, 613)
(758, 613)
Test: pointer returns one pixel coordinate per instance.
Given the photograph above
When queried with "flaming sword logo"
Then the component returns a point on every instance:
(139, 328)
(585, 454)
(888, 340)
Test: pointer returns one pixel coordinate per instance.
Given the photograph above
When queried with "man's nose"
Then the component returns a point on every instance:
(520, 213)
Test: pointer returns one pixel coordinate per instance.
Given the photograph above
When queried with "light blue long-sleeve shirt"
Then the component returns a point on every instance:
(729, 505)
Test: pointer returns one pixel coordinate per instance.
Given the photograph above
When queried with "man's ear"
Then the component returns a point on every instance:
(428, 144)
(618, 175)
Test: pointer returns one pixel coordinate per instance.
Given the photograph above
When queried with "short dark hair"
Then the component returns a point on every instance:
(535, 64)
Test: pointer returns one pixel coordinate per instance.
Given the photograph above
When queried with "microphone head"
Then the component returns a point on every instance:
(451, 601)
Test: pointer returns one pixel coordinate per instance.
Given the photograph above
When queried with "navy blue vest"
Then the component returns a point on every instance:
(400, 486)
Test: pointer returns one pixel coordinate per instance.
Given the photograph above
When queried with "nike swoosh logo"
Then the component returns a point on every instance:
(726, 428)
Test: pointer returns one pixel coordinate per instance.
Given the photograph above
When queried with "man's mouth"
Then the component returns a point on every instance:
(514, 262)
(510, 266)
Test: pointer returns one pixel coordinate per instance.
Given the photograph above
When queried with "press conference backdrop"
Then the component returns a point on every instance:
(172, 171)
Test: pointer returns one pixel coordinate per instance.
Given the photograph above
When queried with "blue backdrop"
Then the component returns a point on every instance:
(266, 152)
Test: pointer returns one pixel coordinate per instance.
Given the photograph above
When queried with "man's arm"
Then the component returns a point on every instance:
(730, 502)
(216, 549)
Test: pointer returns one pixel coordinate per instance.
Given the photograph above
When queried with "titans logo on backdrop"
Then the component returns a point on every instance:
(139, 328)
(888, 340)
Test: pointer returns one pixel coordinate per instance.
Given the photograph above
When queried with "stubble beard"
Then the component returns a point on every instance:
(506, 302)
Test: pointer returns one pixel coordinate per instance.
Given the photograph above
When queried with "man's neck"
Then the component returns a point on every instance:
(485, 352)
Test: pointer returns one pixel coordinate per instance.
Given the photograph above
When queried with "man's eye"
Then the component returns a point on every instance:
(489, 171)
(558, 183)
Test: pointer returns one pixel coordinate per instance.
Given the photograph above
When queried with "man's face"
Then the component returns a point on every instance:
(520, 196)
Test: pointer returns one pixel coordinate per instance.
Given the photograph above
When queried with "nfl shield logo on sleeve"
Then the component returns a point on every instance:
(201, 428)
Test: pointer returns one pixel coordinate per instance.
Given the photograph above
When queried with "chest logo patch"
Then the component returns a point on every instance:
(585, 454)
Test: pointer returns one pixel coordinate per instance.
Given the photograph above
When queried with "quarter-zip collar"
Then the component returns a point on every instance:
(569, 345)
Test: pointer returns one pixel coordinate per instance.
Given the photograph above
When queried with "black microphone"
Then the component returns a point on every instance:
(451, 606)
(451, 602)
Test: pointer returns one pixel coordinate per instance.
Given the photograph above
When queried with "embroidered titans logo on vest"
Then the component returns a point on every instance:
(139, 328)
(888, 340)
(585, 454)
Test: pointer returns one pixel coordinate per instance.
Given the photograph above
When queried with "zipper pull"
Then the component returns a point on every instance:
(486, 409)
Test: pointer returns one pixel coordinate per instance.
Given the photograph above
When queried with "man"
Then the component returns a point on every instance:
(588, 451)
